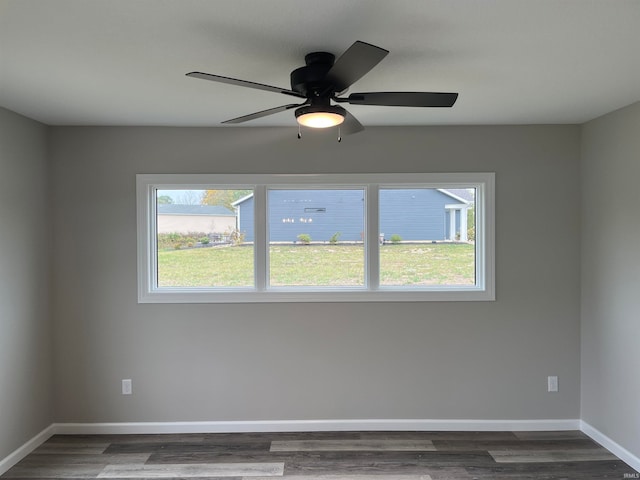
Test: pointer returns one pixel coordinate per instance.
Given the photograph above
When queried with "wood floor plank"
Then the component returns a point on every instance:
(54, 471)
(366, 445)
(384, 471)
(381, 463)
(141, 478)
(545, 456)
(318, 459)
(552, 435)
(188, 447)
(485, 445)
(72, 448)
(84, 459)
(442, 435)
(595, 470)
(251, 437)
(351, 477)
(193, 470)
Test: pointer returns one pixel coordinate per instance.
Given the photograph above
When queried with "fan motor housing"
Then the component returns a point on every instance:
(311, 78)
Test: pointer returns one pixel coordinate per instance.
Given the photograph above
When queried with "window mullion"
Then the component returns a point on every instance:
(153, 239)
(372, 239)
(261, 245)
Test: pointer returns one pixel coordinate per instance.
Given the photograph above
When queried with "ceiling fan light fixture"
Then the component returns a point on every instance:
(317, 116)
(322, 78)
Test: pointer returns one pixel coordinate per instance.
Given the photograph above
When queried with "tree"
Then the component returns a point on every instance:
(471, 223)
(190, 197)
(223, 197)
(165, 200)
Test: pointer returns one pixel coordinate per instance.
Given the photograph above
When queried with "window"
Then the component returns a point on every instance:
(191, 228)
(316, 237)
(428, 236)
(356, 237)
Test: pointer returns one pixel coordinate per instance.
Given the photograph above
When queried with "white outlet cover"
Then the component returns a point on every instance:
(552, 384)
(127, 387)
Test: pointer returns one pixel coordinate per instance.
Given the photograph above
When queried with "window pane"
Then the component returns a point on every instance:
(316, 237)
(427, 236)
(199, 243)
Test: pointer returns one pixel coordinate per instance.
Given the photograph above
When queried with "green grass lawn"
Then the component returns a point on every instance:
(318, 265)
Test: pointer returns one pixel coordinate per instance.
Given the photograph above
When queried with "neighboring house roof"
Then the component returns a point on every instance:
(217, 210)
(243, 199)
(459, 194)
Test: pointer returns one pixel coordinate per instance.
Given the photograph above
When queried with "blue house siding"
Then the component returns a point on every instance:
(246, 216)
(414, 214)
(318, 213)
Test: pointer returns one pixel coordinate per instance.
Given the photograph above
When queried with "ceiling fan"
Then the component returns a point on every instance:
(323, 79)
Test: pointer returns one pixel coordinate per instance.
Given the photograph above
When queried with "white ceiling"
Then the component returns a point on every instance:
(122, 62)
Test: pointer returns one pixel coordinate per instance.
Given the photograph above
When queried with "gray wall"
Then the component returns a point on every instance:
(25, 330)
(611, 276)
(486, 360)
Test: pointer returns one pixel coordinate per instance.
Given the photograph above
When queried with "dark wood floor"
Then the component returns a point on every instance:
(325, 456)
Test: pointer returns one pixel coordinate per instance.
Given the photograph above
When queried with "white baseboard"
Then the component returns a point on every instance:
(615, 448)
(314, 426)
(18, 454)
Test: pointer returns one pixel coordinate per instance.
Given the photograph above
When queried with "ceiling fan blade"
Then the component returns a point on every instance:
(264, 113)
(243, 83)
(353, 64)
(350, 125)
(403, 99)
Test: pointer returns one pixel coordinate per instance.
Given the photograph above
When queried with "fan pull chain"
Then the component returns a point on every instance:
(339, 135)
(299, 132)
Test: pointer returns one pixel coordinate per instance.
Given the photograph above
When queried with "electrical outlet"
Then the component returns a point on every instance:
(552, 384)
(127, 387)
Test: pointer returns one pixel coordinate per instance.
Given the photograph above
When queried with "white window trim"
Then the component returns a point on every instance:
(483, 290)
